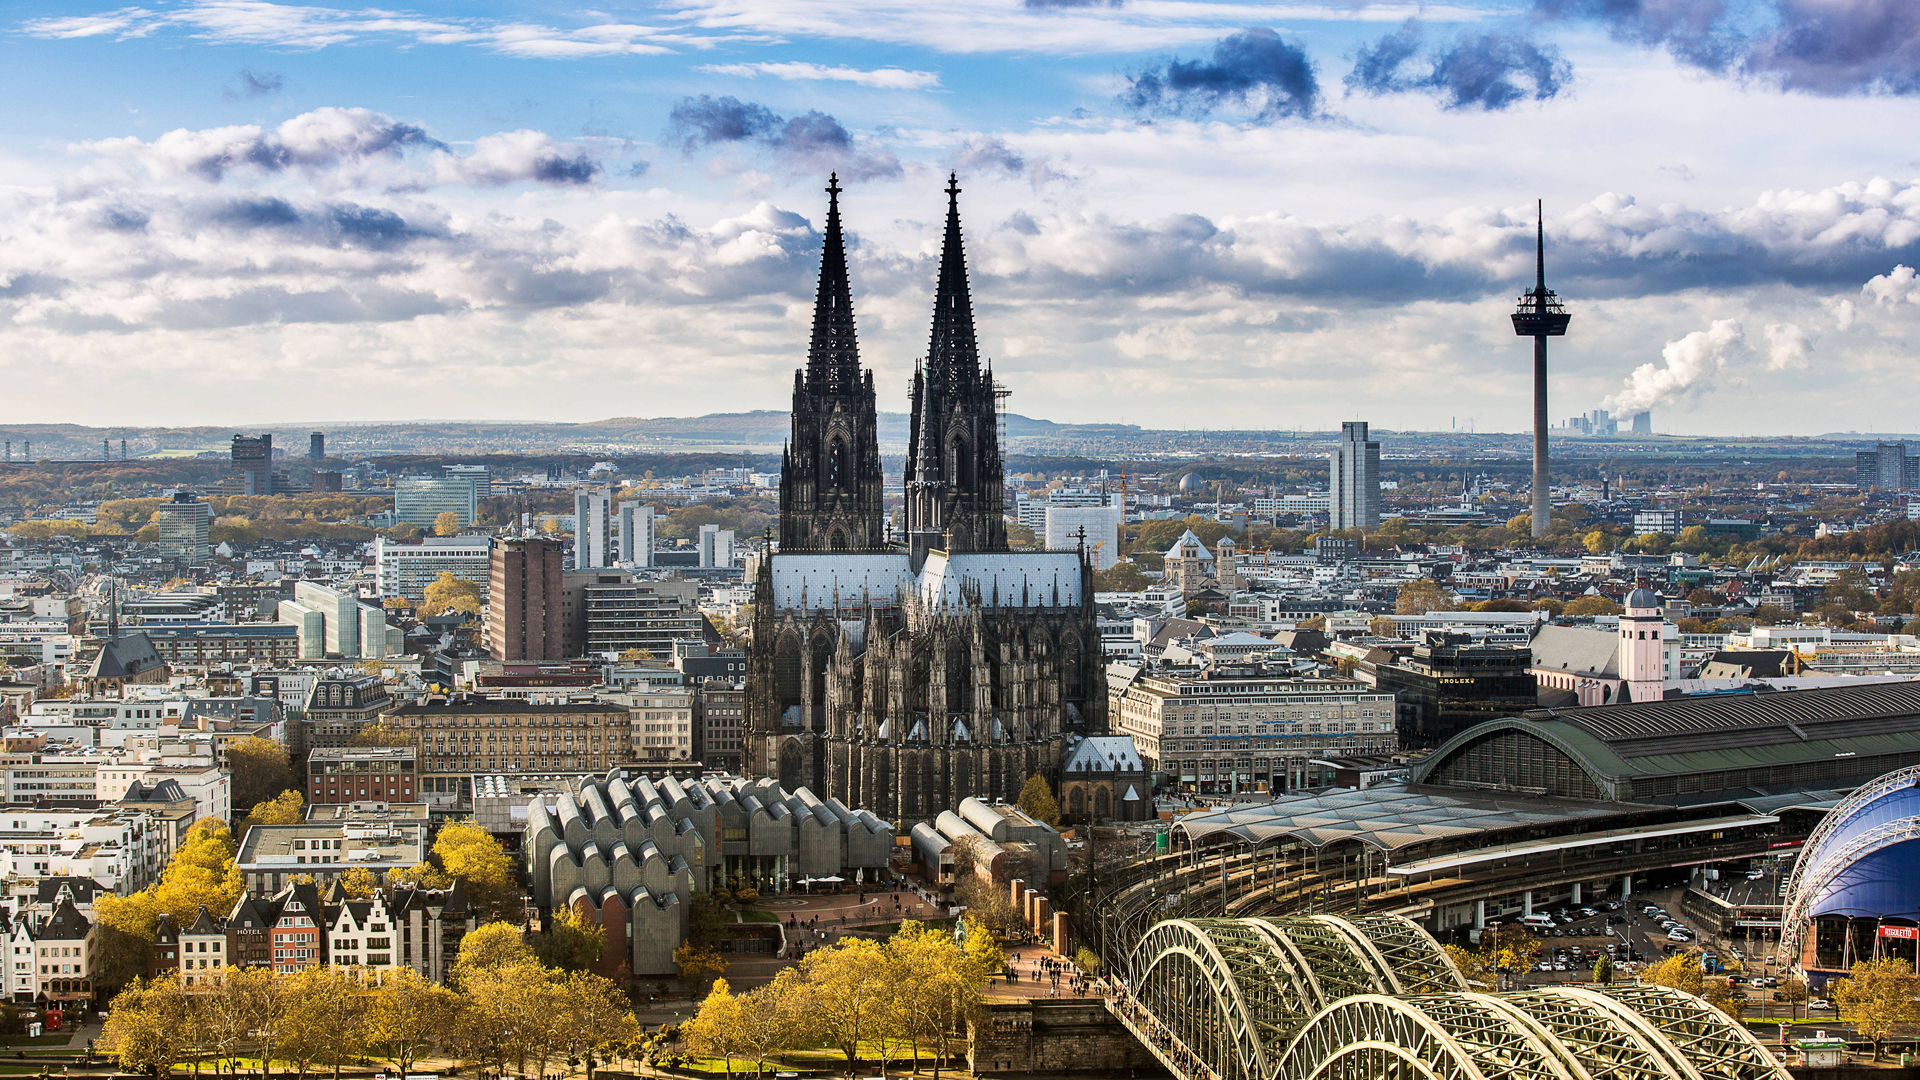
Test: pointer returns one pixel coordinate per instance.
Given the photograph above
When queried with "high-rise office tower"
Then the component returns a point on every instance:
(592, 529)
(481, 476)
(524, 600)
(184, 523)
(1353, 475)
(253, 460)
(1540, 316)
(635, 520)
(716, 547)
(317, 446)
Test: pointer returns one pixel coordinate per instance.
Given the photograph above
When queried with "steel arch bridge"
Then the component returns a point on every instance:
(1375, 998)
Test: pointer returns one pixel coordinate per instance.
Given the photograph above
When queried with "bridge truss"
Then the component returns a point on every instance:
(1376, 998)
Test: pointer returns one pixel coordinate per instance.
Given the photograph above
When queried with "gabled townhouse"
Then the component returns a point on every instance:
(203, 951)
(64, 944)
(250, 928)
(361, 934)
(165, 955)
(298, 934)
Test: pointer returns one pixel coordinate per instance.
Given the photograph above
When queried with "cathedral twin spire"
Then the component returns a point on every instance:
(830, 481)
(833, 356)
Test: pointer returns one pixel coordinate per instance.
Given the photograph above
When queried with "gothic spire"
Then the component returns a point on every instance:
(833, 357)
(953, 357)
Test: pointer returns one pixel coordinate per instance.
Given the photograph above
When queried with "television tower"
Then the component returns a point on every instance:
(1540, 316)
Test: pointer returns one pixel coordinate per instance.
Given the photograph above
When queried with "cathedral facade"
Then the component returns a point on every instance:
(905, 676)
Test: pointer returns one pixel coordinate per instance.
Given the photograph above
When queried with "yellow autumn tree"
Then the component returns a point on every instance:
(286, 808)
(448, 593)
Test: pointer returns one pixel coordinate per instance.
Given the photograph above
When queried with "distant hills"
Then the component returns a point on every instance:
(761, 433)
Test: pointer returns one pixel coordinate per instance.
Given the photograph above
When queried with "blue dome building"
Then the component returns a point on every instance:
(1855, 892)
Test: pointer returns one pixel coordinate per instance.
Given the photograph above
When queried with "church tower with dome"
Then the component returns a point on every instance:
(1643, 647)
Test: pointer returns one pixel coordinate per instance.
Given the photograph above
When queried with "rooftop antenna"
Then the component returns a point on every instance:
(1539, 315)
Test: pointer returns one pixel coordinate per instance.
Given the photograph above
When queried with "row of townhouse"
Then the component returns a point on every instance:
(305, 925)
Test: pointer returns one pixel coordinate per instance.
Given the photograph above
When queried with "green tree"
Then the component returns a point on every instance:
(1122, 576)
(1878, 998)
(1603, 970)
(1037, 802)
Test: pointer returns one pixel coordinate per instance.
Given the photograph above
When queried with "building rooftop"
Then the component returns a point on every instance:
(500, 705)
(374, 845)
(333, 813)
(363, 753)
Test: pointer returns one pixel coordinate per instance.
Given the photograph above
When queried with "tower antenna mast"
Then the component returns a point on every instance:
(1540, 315)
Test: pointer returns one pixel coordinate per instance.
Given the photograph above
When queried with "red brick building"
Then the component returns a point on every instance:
(524, 598)
(362, 774)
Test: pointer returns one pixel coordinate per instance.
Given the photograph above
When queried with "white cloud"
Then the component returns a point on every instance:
(351, 147)
(890, 78)
(981, 26)
(1897, 286)
(303, 26)
(1688, 366)
(1788, 347)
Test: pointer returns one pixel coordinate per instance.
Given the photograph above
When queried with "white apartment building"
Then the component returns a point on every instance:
(636, 527)
(121, 849)
(48, 777)
(1309, 503)
(716, 547)
(592, 529)
(406, 567)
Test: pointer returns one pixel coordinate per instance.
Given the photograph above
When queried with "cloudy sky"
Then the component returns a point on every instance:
(1187, 213)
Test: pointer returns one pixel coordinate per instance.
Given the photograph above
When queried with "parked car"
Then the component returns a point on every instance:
(1678, 935)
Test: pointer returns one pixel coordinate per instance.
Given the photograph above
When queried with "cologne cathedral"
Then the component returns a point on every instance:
(905, 674)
